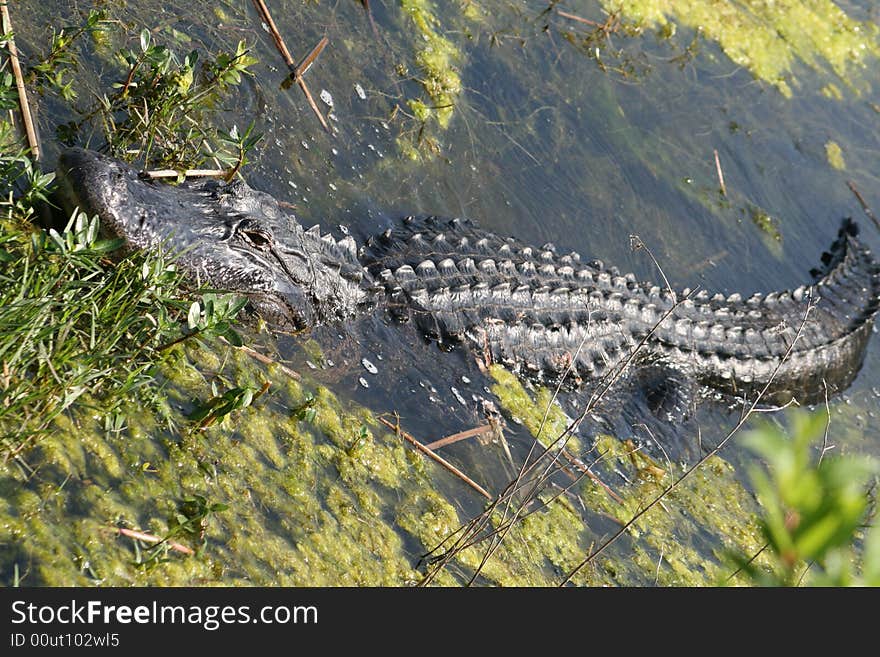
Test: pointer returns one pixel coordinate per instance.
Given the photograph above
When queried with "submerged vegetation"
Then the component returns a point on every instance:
(769, 38)
(140, 446)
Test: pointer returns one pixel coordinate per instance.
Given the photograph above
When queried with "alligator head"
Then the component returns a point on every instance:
(226, 236)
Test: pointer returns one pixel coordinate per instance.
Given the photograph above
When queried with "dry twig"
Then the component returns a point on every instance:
(865, 206)
(296, 70)
(187, 173)
(720, 174)
(461, 435)
(27, 120)
(256, 355)
(436, 457)
(150, 538)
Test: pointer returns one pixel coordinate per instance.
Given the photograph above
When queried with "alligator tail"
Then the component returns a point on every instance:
(551, 315)
(800, 343)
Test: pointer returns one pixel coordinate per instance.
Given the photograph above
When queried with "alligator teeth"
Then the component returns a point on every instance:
(314, 231)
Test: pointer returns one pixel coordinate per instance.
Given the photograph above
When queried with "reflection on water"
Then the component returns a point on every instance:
(579, 133)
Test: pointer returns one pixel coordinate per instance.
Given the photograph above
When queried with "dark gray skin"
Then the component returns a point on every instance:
(226, 236)
(538, 312)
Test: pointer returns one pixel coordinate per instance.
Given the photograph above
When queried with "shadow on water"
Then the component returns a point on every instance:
(557, 135)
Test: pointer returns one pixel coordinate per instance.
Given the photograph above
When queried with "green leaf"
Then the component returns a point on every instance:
(106, 246)
(232, 337)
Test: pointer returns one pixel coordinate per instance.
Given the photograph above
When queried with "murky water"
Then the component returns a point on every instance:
(559, 133)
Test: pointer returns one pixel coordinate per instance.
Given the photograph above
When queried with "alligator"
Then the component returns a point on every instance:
(540, 312)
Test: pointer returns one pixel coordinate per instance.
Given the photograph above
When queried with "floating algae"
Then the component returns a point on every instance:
(834, 155)
(769, 38)
(685, 541)
(437, 59)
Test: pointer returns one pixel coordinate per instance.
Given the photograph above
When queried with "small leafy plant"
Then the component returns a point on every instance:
(55, 69)
(74, 325)
(157, 111)
(224, 404)
(814, 511)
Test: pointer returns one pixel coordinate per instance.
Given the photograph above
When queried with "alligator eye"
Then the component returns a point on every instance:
(258, 238)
